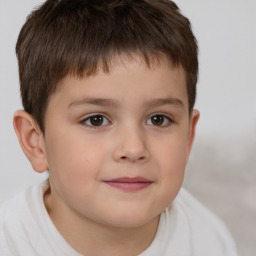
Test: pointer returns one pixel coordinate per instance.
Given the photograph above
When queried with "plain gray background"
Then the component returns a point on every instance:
(221, 171)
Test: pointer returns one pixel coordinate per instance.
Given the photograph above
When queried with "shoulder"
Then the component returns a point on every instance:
(16, 221)
(19, 205)
(206, 229)
(11, 209)
(195, 210)
(197, 213)
(10, 225)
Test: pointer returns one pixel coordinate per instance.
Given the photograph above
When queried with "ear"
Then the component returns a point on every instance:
(192, 130)
(31, 140)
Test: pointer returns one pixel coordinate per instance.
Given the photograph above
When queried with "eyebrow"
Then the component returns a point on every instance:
(96, 101)
(116, 104)
(165, 101)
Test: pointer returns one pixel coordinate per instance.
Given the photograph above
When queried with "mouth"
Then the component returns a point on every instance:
(129, 184)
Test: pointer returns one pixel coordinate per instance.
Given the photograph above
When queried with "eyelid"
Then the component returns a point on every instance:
(87, 117)
(170, 120)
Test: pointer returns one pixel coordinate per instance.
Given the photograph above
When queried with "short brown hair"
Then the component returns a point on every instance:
(80, 36)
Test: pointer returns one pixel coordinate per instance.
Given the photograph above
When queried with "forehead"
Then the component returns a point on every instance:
(120, 60)
(128, 77)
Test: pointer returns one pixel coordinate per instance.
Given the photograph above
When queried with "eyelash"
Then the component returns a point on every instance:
(89, 118)
(165, 119)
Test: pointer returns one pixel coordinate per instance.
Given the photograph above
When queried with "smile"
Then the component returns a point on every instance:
(129, 184)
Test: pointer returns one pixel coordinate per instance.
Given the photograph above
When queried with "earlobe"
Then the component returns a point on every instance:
(31, 140)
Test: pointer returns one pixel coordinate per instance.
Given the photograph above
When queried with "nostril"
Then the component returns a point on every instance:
(142, 158)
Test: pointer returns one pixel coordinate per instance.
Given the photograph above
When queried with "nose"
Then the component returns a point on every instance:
(131, 146)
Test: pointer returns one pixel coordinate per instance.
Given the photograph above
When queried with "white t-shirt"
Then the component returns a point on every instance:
(186, 228)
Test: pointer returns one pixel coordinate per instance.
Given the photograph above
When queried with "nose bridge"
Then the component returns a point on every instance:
(131, 144)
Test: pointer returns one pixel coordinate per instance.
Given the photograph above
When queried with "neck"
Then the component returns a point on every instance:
(92, 238)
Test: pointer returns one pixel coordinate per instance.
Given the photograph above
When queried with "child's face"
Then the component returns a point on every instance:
(117, 144)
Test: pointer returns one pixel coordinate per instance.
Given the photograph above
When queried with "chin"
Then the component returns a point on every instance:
(132, 220)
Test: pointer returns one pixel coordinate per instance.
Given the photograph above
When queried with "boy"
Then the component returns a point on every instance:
(108, 89)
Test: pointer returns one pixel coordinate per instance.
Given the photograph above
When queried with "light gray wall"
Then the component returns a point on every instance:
(222, 167)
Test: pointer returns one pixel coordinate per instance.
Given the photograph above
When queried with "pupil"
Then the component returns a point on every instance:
(96, 120)
(157, 120)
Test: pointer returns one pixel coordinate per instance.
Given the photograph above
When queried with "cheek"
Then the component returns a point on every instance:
(172, 154)
(73, 160)
(74, 166)
(171, 165)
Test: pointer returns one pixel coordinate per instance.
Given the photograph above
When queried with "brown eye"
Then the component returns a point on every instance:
(159, 120)
(96, 121)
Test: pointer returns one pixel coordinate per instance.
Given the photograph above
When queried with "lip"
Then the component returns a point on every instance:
(129, 183)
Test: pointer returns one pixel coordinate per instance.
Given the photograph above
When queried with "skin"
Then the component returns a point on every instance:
(94, 217)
